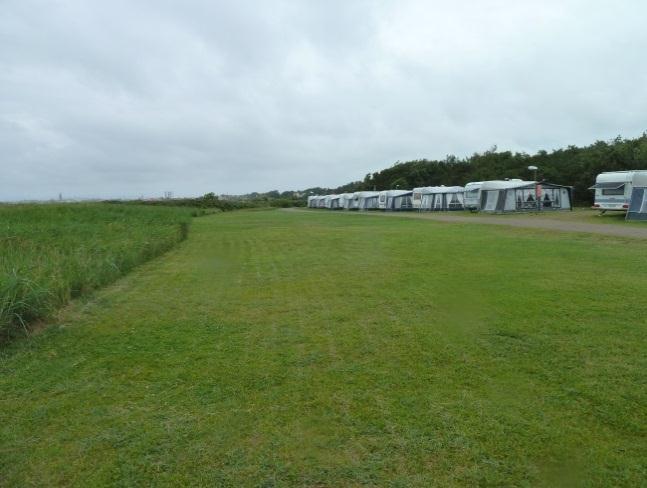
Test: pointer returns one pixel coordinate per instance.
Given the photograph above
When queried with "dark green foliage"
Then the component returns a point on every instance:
(211, 202)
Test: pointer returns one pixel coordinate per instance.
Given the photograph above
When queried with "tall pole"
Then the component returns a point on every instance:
(537, 193)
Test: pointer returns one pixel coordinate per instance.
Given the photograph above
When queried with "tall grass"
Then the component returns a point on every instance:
(52, 253)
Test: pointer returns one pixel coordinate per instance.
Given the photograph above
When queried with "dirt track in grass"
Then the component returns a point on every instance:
(524, 220)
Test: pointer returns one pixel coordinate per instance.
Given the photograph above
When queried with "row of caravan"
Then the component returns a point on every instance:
(624, 191)
(427, 198)
(488, 196)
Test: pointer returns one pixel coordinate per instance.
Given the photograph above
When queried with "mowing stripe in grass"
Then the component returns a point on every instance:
(277, 348)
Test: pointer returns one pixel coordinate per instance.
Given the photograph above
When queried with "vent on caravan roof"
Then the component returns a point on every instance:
(607, 186)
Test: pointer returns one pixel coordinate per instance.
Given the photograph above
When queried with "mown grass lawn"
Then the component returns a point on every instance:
(303, 348)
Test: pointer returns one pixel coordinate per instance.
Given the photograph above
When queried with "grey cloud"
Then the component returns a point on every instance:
(128, 98)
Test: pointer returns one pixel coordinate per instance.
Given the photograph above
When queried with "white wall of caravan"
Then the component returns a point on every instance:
(613, 189)
(472, 198)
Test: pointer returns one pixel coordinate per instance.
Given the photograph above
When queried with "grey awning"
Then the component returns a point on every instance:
(607, 186)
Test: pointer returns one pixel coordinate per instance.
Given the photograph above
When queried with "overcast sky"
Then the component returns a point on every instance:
(127, 98)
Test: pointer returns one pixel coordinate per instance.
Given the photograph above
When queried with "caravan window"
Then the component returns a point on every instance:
(614, 191)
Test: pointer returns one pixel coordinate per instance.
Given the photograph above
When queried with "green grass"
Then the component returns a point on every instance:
(309, 348)
(51, 253)
(578, 214)
(590, 216)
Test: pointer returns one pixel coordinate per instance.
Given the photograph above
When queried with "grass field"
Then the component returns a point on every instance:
(51, 253)
(309, 348)
(578, 214)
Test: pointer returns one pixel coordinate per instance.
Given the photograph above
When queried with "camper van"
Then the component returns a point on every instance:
(613, 189)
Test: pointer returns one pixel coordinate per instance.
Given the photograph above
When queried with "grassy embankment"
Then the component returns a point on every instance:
(52, 253)
(278, 348)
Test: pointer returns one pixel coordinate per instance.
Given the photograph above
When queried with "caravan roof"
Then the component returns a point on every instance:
(447, 189)
(365, 194)
(503, 184)
(615, 179)
(473, 184)
(426, 190)
(395, 193)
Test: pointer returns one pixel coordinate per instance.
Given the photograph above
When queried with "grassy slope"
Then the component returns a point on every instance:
(321, 349)
(51, 253)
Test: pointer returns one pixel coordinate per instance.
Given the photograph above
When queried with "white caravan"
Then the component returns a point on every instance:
(472, 198)
(347, 201)
(335, 202)
(394, 200)
(442, 198)
(325, 201)
(524, 196)
(312, 201)
(613, 189)
(491, 192)
(438, 198)
(366, 200)
(418, 194)
(332, 201)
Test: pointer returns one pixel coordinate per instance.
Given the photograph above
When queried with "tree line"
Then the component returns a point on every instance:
(573, 166)
(211, 202)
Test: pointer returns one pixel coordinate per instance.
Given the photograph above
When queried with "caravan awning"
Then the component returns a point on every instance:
(607, 186)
